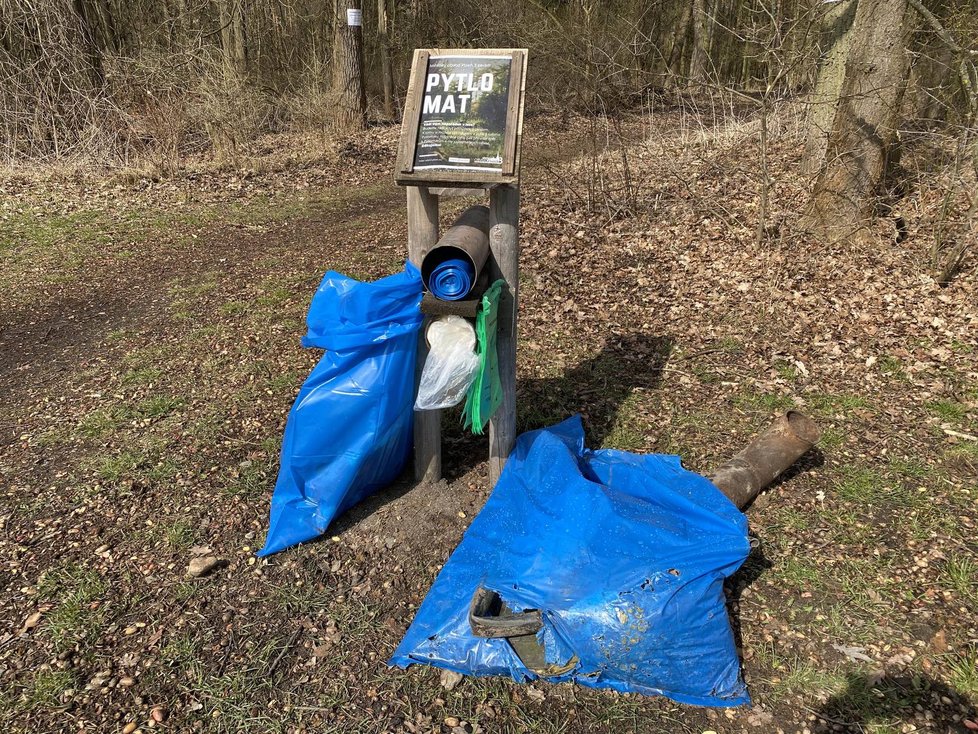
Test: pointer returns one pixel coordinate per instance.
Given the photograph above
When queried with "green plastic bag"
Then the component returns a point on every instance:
(486, 392)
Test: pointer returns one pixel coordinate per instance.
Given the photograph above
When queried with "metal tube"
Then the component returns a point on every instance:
(766, 457)
(467, 238)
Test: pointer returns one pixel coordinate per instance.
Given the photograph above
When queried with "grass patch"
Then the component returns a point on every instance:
(837, 405)
(799, 573)
(275, 296)
(78, 615)
(251, 482)
(627, 433)
(105, 422)
(909, 468)
(142, 376)
(763, 402)
(960, 575)
(860, 484)
(892, 367)
(158, 406)
(831, 439)
(233, 308)
(45, 689)
(802, 677)
(124, 465)
(286, 382)
(180, 535)
(964, 674)
(949, 411)
(305, 599)
(182, 655)
(786, 370)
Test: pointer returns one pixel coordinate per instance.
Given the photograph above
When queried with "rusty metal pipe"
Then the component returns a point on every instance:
(766, 457)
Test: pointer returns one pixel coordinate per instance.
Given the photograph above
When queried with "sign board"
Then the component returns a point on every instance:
(463, 117)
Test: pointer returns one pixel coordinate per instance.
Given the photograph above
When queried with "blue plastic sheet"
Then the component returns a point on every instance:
(452, 280)
(625, 556)
(349, 432)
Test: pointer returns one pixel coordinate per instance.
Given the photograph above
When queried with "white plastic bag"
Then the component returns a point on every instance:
(451, 365)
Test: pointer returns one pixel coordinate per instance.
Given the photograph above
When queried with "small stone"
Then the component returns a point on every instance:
(158, 714)
(451, 721)
(129, 728)
(130, 630)
(126, 682)
(450, 679)
(202, 565)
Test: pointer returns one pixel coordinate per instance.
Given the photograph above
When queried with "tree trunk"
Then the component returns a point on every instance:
(351, 97)
(866, 119)
(233, 37)
(699, 63)
(383, 40)
(835, 43)
(92, 49)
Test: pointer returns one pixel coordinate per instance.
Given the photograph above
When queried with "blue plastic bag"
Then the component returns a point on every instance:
(625, 556)
(349, 432)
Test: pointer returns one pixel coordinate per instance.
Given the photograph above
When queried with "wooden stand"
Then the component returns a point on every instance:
(437, 94)
(422, 214)
(504, 208)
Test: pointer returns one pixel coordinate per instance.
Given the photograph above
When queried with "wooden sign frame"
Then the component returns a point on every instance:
(405, 172)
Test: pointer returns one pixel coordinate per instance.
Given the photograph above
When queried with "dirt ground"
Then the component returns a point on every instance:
(149, 353)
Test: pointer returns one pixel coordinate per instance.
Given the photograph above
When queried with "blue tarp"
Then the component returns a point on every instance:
(349, 432)
(624, 554)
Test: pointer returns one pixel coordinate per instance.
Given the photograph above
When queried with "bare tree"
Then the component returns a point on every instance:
(865, 125)
(351, 96)
(233, 38)
(383, 41)
(703, 24)
(835, 41)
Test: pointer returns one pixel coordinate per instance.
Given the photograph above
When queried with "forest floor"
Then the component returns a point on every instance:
(149, 353)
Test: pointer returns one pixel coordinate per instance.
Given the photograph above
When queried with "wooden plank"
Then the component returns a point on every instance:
(412, 117)
(513, 110)
(451, 192)
(518, 149)
(454, 179)
(504, 262)
(422, 213)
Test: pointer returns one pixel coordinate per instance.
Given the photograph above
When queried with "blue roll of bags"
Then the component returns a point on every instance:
(349, 432)
(452, 279)
(624, 555)
(451, 268)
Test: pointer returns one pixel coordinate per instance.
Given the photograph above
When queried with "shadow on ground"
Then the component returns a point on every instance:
(869, 703)
(596, 388)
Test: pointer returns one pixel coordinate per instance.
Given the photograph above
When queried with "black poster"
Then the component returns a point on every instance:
(463, 113)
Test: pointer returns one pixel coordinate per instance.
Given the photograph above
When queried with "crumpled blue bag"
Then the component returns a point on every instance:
(349, 432)
(625, 556)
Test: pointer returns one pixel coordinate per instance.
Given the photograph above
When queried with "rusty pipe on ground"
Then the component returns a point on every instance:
(766, 457)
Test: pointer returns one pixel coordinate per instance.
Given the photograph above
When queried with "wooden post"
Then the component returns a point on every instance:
(422, 212)
(504, 262)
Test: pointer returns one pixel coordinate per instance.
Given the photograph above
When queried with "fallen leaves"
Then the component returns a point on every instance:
(34, 619)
